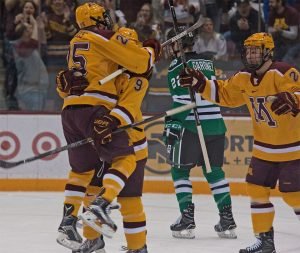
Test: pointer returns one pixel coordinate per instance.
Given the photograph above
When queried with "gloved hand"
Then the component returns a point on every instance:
(284, 103)
(193, 78)
(71, 81)
(172, 133)
(103, 128)
(155, 45)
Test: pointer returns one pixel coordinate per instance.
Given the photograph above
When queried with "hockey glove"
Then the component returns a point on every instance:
(103, 128)
(155, 45)
(172, 133)
(193, 78)
(71, 82)
(284, 103)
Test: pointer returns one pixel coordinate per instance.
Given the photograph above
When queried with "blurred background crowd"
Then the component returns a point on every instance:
(35, 36)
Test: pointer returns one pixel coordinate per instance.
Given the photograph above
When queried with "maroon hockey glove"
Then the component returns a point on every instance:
(193, 78)
(284, 103)
(103, 128)
(155, 45)
(71, 82)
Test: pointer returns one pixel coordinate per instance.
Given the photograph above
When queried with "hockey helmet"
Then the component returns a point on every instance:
(90, 14)
(187, 41)
(257, 41)
(128, 33)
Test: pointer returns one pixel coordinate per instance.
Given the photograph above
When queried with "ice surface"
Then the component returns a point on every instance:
(29, 221)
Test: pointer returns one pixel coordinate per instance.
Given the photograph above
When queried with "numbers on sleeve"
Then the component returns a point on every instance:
(294, 76)
(138, 84)
(79, 59)
(122, 39)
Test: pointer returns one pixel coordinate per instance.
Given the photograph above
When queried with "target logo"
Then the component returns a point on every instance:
(9, 145)
(44, 142)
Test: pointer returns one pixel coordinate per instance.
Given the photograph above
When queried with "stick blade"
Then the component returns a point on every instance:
(8, 165)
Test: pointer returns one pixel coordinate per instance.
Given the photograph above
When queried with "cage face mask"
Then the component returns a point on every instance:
(258, 48)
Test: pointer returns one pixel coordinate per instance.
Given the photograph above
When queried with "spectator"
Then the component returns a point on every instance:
(59, 30)
(143, 29)
(226, 6)
(209, 42)
(284, 27)
(31, 71)
(11, 8)
(147, 11)
(244, 22)
(213, 11)
(181, 8)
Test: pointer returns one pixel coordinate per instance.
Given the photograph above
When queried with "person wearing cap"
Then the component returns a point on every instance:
(244, 23)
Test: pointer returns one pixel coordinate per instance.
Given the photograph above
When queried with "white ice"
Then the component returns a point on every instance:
(29, 221)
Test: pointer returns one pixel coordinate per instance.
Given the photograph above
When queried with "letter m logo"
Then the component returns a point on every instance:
(260, 111)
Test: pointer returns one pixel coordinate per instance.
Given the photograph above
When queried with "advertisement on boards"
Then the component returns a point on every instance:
(24, 136)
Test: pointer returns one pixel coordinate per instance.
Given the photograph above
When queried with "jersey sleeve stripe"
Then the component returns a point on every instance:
(124, 114)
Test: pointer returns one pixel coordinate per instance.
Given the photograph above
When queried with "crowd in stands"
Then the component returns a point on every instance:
(36, 35)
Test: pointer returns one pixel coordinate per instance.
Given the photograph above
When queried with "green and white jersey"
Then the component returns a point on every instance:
(209, 114)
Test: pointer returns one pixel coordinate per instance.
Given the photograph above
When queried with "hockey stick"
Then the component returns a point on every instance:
(8, 165)
(192, 94)
(164, 44)
(270, 99)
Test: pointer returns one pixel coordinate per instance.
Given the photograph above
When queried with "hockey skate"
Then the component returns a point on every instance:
(226, 226)
(67, 233)
(88, 246)
(185, 225)
(263, 244)
(97, 217)
(141, 250)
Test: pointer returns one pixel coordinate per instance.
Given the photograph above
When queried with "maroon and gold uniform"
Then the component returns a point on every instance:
(99, 53)
(271, 91)
(274, 138)
(276, 149)
(128, 110)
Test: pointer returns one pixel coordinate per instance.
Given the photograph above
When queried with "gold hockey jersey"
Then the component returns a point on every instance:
(131, 93)
(276, 138)
(99, 53)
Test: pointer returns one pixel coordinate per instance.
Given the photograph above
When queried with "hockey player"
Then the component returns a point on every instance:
(180, 131)
(98, 51)
(131, 89)
(271, 91)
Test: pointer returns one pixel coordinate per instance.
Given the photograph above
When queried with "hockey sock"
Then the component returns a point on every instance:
(134, 221)
(293, 200)
(183, 187)
(91, 193)
(116, 177)
(219, 186)
(75, 189)
(262, 210)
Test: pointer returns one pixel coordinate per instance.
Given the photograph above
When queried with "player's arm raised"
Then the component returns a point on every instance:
(127, 53)
(215, 91)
